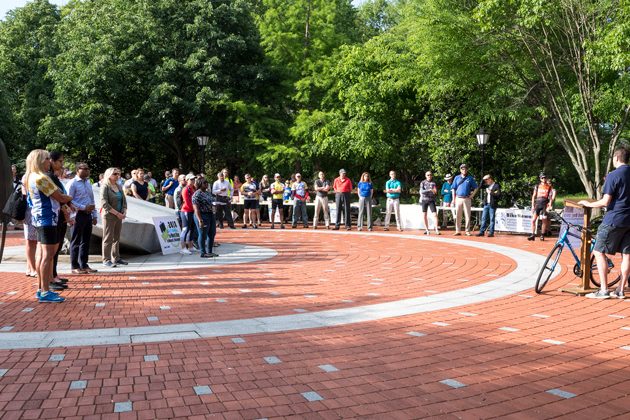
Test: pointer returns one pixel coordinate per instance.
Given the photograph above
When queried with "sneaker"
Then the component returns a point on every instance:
(426, 232)
(120, 261)
(50, 297)
(531, 237)
(244, 226)
(281, 226)
(491, 235)
(38, 294)
(468, 234)
(185, 251)
(479, 234)
(57, 286)
(89, 270)
(212, 255)
(617, 294)
(370, 229)
(109, 264)
(542, 237)
(204, 255)
(600, 294)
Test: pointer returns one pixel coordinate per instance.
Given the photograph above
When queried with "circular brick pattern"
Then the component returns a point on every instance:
(311, 272)
(524, 356)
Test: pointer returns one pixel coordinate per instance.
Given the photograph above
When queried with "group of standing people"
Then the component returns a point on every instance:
(53, 206)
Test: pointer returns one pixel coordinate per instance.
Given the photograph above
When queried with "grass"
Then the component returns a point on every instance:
(559, 203)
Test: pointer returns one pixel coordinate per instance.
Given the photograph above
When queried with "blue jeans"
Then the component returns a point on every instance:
(299, 208)
(205, 235)
(488, 213)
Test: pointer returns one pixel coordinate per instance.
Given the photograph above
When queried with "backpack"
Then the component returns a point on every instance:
(15, 206)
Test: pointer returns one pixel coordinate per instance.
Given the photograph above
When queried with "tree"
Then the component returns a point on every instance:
(27, 47)
(545, 45)
(141, 81)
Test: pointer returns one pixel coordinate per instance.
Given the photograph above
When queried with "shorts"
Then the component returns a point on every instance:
(277, 203)
(612, 239)
(250, 204)
(47, 235)
(540, 208)
(428, 205)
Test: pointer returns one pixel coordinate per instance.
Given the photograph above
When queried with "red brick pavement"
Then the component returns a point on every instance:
(383, 372)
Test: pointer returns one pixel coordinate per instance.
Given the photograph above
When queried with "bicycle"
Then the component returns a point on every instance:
(551, 262)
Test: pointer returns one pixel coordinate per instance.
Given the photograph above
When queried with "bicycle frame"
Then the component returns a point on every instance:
(562, 241)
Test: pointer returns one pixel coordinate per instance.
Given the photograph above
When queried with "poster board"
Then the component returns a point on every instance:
(513, 220)
(168, 232)
(573, 215)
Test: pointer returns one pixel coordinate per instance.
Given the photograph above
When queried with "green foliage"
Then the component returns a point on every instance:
(27, 46)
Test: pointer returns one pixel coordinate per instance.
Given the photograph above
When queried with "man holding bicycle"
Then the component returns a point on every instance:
(613, 234)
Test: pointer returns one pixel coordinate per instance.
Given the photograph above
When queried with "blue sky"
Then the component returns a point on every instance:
(6, 5)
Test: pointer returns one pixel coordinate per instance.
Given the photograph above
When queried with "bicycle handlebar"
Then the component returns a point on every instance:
(579, 228)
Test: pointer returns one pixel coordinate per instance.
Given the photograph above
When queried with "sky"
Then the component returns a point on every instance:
(6, 5)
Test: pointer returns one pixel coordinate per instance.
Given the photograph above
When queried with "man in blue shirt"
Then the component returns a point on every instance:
(464, 186)
(393, 188)
(613, 234)
(83, 200)
(169, 187)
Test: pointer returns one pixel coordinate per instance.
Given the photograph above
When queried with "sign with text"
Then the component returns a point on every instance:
(168, 232)
(513, 220)
(575, 216)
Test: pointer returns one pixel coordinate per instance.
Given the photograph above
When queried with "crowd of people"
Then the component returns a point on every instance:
(59, 199)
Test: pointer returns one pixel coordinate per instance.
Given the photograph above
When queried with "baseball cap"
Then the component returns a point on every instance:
(542, 175)
(342, 171)
(463, 165)
(276, 175)
(447, 177)
(486, 177)
(189, 177)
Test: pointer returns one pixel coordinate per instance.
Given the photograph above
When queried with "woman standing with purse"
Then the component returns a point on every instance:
(113, 212)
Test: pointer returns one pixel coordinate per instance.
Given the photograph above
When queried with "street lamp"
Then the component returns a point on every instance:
(202, 141)
(482, 140)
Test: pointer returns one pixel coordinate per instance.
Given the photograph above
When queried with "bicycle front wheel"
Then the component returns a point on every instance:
(613, 269)
(551, 263)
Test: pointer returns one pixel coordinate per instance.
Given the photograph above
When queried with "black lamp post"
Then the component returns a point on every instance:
(202, 141)
(482, 140)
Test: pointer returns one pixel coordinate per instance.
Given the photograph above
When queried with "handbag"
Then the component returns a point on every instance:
(15, 206)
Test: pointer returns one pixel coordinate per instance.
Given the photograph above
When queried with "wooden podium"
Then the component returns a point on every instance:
(585, 252)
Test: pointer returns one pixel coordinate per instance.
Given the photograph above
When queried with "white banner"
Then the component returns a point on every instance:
(513, 220)
(168, 232)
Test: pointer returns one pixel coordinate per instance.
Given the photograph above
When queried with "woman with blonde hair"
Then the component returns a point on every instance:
(44, 199)
(114, 209)
(365, 189)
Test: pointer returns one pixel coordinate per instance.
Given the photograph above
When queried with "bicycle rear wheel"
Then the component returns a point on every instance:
(551, 263)
(614, 270)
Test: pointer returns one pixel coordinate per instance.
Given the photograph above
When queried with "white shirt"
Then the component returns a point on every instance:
(219, 185)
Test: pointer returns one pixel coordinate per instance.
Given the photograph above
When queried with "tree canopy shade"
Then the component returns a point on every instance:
(306, 85)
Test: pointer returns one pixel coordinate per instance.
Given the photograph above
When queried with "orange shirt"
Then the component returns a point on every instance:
(543, 190)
